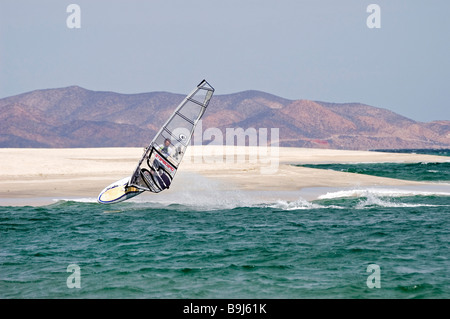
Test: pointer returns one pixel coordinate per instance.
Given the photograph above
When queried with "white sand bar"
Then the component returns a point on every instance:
(29, 174)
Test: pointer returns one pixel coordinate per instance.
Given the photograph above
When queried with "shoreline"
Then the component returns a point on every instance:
(38, 176)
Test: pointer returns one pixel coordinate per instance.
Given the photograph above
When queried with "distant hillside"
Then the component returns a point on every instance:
(76, 117)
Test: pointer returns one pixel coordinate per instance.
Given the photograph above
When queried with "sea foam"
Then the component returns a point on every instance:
(380, 192)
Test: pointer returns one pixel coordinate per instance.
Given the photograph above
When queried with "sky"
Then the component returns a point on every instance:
(396, 56)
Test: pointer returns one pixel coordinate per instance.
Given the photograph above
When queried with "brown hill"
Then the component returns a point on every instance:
(76, 117)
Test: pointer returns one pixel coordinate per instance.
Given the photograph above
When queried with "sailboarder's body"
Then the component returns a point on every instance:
(158, 172)
(166, 149)
(159, 163)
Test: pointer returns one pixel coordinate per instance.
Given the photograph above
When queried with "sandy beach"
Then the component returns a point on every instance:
(39, 176)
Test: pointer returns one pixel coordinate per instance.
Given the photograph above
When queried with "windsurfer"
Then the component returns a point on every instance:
(165, 149)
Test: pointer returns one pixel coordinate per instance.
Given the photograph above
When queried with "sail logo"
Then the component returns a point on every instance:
(164, 162)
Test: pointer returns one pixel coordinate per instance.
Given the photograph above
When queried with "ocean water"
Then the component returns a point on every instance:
(362, 242)
(439, 152)
(424, 172)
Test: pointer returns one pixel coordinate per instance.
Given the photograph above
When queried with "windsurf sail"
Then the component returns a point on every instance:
(161, 158)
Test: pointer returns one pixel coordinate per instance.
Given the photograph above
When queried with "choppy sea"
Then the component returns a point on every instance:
(362, 242)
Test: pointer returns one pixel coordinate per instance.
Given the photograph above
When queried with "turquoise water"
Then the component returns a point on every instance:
(299, 249)
(425, 172)
(439, 152)
(225, 245)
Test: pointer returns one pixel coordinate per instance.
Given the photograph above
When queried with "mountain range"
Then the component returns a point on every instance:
(77, 117)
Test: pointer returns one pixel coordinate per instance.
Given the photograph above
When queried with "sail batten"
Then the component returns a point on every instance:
(185, 118)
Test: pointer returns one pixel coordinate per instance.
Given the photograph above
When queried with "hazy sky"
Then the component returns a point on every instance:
(311, 49)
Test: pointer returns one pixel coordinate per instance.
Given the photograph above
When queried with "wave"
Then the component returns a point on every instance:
(386, 197)
(78, 200)
(212, 198)
(372, 201)
(380, 192)
(294, 205)
(185, 201)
